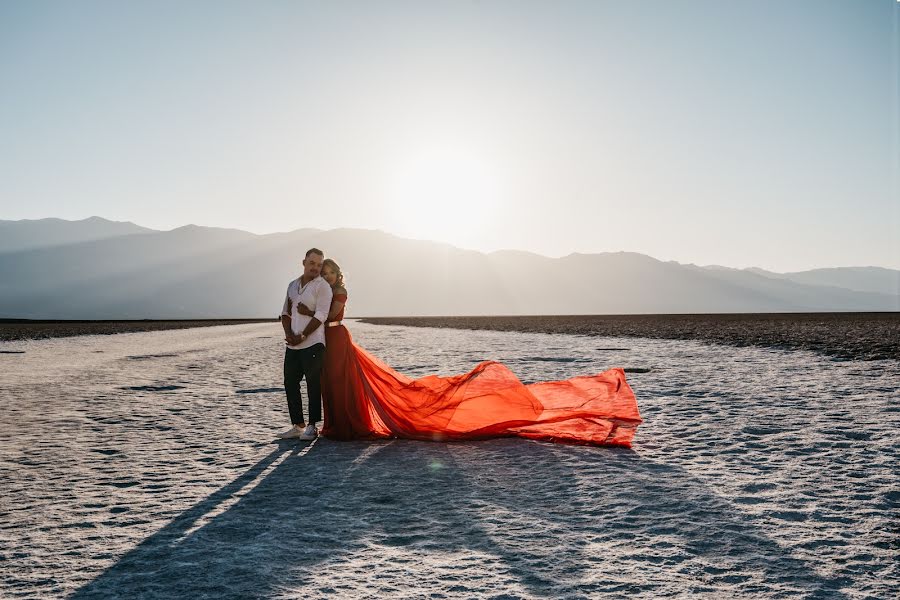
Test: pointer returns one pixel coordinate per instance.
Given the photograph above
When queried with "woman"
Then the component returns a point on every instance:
(345, 417)
(364, 398)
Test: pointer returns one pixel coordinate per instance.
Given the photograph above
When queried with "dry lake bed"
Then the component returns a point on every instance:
(145, 465)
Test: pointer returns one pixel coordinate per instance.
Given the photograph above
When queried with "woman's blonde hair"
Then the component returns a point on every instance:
(337, 269)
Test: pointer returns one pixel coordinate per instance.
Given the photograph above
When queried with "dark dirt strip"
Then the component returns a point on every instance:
(865, 336)
(24, 329)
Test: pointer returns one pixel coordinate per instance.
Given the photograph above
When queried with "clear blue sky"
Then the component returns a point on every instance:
(722, 132)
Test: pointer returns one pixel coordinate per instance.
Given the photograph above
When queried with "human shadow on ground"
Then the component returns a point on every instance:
(547, 519)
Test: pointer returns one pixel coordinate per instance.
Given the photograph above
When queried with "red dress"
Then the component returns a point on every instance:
(365, 398)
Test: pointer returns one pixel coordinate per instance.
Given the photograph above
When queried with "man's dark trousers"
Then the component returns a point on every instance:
(306, 362)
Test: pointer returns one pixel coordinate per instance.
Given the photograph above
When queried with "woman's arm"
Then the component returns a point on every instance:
(336, 307)
(301, 309)
(337, 304)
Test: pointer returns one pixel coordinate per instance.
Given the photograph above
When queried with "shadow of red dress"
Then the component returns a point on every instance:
(364, 398)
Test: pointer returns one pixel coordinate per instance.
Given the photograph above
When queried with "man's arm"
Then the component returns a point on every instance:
(287, 303)
(313, 324)
(289, 336)
(323, 303)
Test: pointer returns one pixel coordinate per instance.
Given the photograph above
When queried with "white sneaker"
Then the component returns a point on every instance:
(294, 432)
(310, 433)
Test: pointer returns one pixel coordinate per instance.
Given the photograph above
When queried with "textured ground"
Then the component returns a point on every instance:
(144, 465)
(866, 336)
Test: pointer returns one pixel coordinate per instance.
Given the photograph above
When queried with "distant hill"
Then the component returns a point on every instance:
(202, 272)
(44, 233)
(861, 279)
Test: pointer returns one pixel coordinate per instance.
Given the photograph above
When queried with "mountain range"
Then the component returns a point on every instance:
(99, 269)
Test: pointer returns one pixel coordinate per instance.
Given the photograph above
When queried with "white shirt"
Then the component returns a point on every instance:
(316, 295)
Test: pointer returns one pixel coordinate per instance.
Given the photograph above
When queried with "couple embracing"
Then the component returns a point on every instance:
(364, 398)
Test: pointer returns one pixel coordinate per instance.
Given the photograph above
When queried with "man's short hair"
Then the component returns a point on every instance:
(313, 251)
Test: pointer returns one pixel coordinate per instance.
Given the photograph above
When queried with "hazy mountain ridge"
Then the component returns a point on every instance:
(44, 233)
(202, 272)
(861, 279)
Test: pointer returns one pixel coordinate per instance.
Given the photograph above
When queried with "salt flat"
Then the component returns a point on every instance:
(145, 465)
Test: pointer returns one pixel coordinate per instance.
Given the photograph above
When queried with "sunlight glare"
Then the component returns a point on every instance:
(444, 193)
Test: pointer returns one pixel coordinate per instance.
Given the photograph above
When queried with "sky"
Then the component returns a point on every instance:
(760, 133)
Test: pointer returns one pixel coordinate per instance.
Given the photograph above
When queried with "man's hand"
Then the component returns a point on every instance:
(293, 339)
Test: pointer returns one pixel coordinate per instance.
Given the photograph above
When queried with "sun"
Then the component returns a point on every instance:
(444, 193)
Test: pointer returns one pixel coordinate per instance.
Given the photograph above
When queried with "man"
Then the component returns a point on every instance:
(305, 339)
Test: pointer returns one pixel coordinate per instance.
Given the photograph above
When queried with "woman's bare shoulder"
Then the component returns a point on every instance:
(340, 290)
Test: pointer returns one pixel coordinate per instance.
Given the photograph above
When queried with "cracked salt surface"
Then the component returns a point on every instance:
(143, 465)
